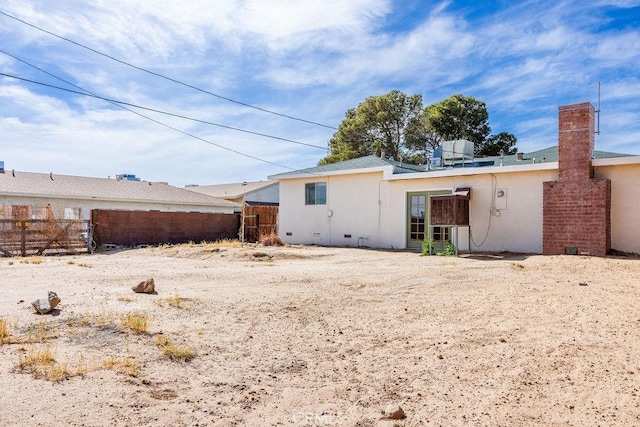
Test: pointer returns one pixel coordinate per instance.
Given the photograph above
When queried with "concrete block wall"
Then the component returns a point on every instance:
(577, 207)
(129, 228)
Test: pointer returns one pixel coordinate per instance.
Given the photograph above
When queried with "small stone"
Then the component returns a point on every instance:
(45, 305)
(145, 287)
(53, 300)
(394, 412)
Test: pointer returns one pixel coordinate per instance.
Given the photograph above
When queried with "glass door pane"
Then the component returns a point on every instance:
(417, 223)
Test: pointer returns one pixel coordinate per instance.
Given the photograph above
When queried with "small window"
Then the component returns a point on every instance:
(441, 234)
(315, 193)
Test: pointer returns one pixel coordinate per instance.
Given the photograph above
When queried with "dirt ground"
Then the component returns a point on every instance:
(299, 336)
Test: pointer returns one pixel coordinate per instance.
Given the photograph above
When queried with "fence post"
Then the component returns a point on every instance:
(23, 238)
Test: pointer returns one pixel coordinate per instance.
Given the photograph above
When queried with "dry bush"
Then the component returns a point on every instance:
(227, 243)
(40, 363)
(271, 240)
(123, 365)
(175, 301)
(137, 322)
(5, 335)
(173, 351)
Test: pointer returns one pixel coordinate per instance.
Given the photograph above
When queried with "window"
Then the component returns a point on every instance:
(441, 234)
(315, 193)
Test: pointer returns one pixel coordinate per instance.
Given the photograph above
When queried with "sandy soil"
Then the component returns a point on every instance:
(323, 336)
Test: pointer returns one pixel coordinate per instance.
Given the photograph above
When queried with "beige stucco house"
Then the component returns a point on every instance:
(379, 203)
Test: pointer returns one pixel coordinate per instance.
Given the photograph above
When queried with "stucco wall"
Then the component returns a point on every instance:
(625, 205)
(367, 206)
(517, 228)
(352, 208)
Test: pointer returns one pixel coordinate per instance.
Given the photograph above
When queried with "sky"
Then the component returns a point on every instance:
(255, 88)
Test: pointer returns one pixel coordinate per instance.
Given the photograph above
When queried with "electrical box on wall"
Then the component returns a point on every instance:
(500, 199)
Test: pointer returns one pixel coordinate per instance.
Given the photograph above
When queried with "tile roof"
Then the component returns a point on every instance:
(66, 186)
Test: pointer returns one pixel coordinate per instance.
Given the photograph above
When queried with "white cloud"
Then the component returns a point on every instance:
(305, 58)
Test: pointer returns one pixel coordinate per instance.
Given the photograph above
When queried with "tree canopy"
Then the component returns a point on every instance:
(380, 124)
(397, 125)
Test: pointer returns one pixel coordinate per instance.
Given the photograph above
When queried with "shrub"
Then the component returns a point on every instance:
(136, 321)
(173, 351)
(427, 247)
(271, 239)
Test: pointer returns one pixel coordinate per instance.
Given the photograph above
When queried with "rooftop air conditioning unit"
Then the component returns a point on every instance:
(460, 149)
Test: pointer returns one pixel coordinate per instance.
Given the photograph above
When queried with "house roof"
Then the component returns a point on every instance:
(547, 155)
(366, 162)
(66, 186)
(230, 191)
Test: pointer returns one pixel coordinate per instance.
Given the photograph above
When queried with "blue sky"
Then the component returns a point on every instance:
(306, 59)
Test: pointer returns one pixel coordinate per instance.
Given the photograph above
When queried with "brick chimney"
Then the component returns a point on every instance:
(576, 208)
(575, 141)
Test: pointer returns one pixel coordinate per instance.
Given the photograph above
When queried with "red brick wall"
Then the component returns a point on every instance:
(130, 228)
(576, 211)
(575, 142)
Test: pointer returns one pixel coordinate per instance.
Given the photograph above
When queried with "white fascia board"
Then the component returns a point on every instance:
(616, 161)
(479, 170)
(384, 169)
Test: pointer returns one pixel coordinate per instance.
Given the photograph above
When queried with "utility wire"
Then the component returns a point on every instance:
(163, 76)
(154, 120)
(115, 101)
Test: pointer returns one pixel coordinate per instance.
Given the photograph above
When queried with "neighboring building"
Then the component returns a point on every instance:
(564, 199)
(47, 212)
(264, 193)
(85, 193)
(259, 212)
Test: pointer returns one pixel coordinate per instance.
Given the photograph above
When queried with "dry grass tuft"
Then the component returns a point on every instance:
(106, 318)
(125, 298)
(227, 243)
(175, 301)
(41, 363)
(123, 365)
(5, 335)
(137, 322)
(173, 351)
(271, 240)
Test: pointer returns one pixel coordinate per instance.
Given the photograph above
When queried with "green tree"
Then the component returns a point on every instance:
(388, 123)
(457, 117)
(504, 141)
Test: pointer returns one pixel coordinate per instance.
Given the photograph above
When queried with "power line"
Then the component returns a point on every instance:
(115, 101)
(154, 120)
(165, 77)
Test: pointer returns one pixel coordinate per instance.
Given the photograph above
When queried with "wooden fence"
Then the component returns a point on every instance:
(36, 230)
(260, 221)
